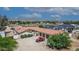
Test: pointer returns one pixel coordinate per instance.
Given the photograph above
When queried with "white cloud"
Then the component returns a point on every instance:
(36, 15)
(38, 9)
(61, 10)
(56, 17)
(65, 10)
(7, 8)
(33, 15)
(57, 10)
(75, 13)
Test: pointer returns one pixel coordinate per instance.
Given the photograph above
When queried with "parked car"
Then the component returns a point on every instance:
(40, 38)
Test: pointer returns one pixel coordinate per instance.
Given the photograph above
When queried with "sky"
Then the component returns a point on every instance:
(41, 13)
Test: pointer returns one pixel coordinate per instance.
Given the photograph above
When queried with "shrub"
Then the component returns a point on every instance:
(2, 28)
(26, 35)
(30, 35)
(75, 35)
(7, 44)
(78, 36)
(77, 49)
(59, 41)
(23, 36)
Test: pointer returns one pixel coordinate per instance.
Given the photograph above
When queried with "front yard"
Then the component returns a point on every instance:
(29, 44)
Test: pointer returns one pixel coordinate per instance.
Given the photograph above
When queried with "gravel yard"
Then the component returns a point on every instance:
(29, 44)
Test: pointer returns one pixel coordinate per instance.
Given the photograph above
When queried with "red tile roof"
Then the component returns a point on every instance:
(20, 29)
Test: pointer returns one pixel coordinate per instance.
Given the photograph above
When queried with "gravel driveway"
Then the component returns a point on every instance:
(29, 44)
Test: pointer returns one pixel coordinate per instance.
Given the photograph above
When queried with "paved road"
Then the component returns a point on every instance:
(29, 44)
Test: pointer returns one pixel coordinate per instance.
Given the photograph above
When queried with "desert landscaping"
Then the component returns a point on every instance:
(38, 34)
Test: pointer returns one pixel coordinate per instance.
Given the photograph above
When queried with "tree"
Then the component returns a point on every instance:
(3, 21)
(59, 41)
(71, 22)
(7, 44)
(41, 26)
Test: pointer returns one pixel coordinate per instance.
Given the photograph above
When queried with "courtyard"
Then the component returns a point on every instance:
(29, 44)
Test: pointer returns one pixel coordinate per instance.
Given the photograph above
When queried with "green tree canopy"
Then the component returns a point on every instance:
(59, 41)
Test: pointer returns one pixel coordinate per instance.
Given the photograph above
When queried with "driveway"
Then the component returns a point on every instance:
(29, 44)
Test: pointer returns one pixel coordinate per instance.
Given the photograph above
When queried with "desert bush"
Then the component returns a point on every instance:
(59, 41)
(30, 35)
(77, 49)
(75, 35)
(78, 37)
(26, 35)
(2, 28)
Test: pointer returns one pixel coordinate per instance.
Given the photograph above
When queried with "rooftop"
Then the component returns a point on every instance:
(20, 29)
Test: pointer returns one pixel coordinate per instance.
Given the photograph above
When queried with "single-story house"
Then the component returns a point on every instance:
(41, 31)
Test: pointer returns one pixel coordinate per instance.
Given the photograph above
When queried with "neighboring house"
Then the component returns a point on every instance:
(8, 32)
(64, 27)
(76, 25)
(75, 34)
